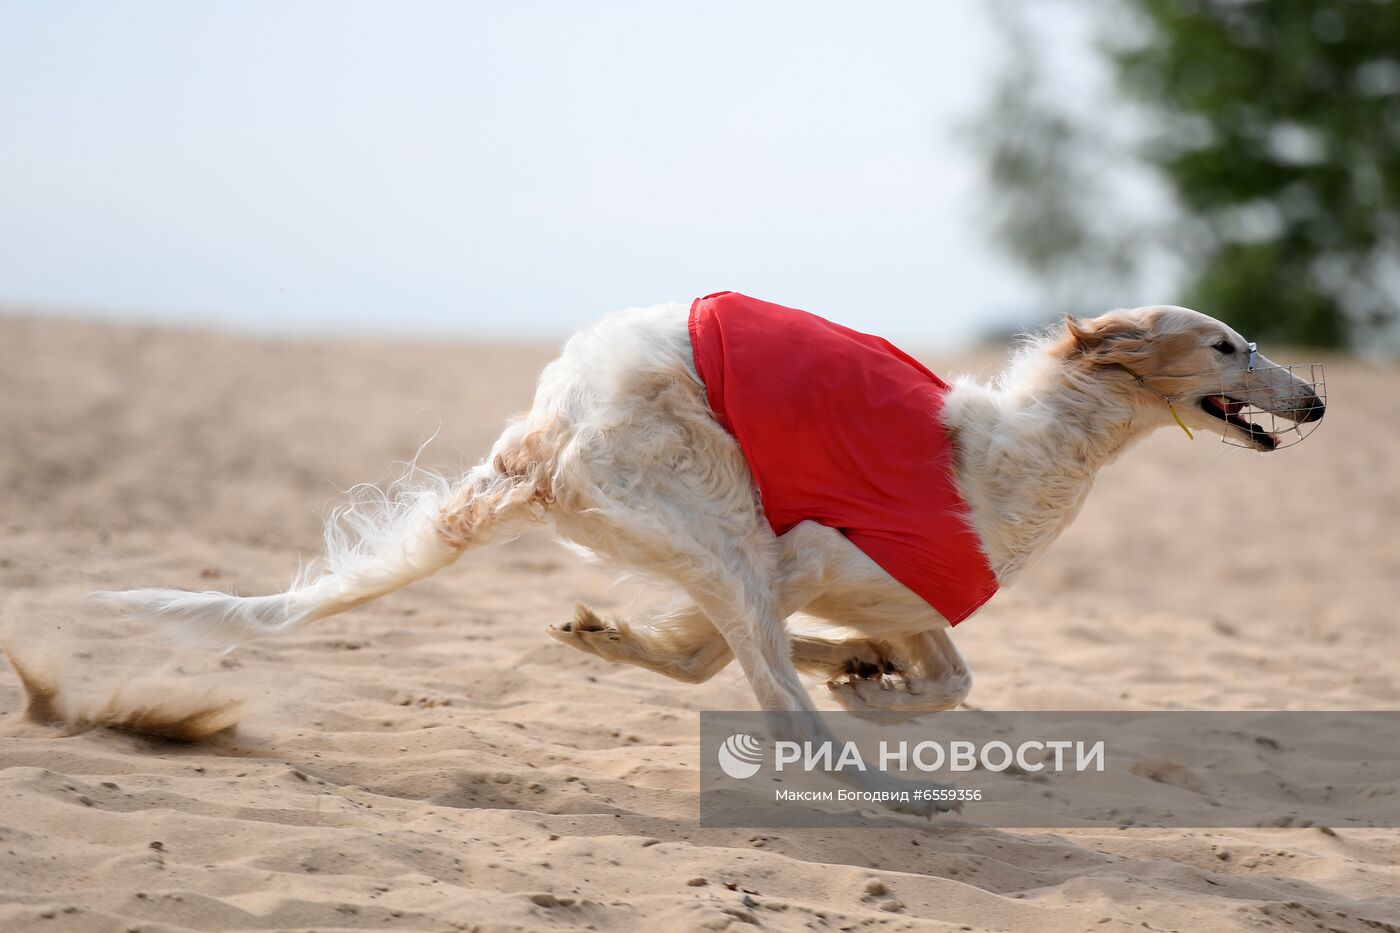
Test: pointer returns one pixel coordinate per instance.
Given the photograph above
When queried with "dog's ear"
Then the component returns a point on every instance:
(1104, 340)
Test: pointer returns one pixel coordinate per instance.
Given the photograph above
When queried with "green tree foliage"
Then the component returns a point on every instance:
(1276, 124)
(1037, 160)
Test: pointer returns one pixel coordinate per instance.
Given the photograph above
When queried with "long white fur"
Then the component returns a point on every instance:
(378, 541)
(622, 453)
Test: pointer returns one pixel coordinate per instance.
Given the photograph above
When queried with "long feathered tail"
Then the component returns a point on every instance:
(381, 540)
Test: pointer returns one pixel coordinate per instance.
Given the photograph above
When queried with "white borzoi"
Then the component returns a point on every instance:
(622, 453)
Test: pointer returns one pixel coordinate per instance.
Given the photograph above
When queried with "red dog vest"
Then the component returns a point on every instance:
(844, 429)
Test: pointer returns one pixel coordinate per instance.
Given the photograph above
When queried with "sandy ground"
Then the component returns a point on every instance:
(433, 761)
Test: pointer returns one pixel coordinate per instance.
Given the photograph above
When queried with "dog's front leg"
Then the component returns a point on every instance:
(743, 605)
(922, 673)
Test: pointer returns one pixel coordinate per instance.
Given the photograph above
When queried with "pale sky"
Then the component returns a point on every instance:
(504, 169)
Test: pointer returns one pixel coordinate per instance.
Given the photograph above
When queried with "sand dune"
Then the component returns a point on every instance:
(433, 761)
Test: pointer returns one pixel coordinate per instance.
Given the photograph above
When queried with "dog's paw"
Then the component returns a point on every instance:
(584, 630)
(848, 694)
(869, 696)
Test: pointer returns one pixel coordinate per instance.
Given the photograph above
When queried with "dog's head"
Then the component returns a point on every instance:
(1208, 376)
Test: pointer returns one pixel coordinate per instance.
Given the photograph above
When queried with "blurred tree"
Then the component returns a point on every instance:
(1038, 159)
(1277, 127)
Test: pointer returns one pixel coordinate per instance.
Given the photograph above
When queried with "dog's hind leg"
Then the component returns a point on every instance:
(383, 540)
(685, 645)
(511, 488)
(682, 644)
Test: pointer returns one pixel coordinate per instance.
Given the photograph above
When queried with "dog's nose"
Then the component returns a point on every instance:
(1314, 410)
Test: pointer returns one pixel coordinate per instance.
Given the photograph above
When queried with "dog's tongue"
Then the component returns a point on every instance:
(1225, 405)
(1260, 432)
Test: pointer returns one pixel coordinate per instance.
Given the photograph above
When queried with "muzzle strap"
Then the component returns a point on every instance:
(1292, 417)
(1282, 424)
(1171, 405)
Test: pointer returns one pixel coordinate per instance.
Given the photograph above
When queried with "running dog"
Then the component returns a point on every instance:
(767, 462)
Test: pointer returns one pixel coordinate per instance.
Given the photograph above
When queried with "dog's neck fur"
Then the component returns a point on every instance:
(1030, 444)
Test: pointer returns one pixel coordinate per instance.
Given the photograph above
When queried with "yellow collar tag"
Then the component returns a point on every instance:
(1165, 398)
(1179, 423)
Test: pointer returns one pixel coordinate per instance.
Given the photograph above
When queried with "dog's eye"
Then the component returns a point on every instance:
(1225, 346)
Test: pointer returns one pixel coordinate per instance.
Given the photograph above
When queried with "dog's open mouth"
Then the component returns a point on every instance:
(1227, 409)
